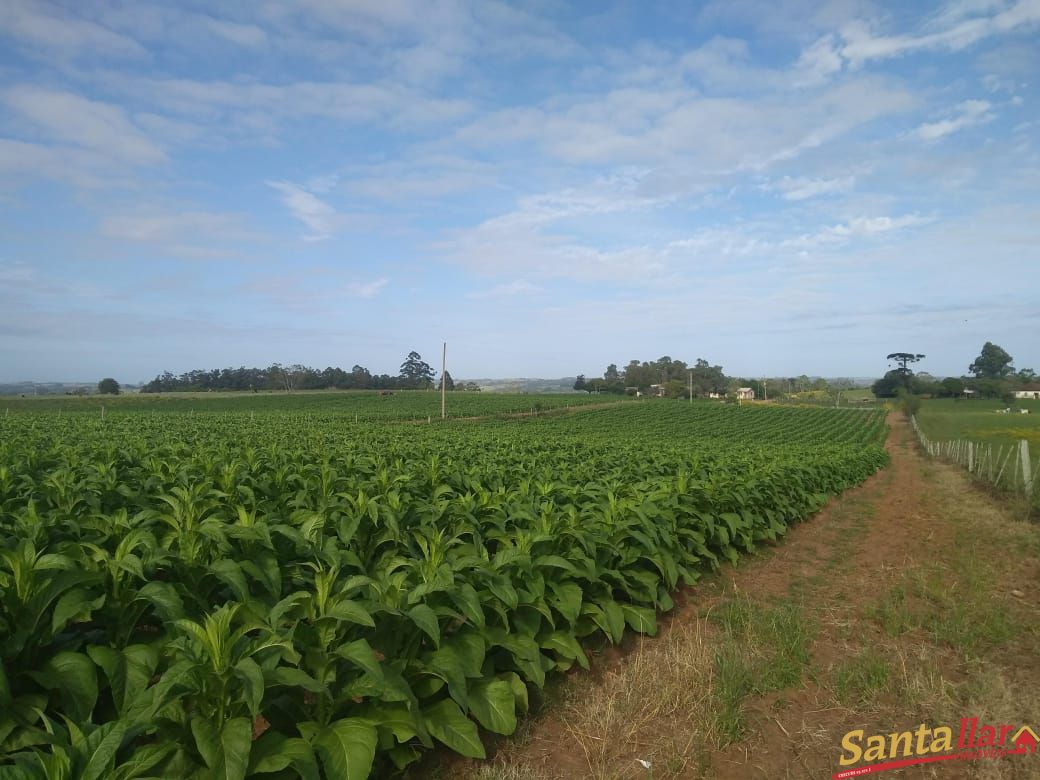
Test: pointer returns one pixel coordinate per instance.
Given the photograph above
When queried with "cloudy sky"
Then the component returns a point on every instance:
(782, 187)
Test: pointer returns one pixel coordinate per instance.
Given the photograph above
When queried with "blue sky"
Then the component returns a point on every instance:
(781, 187)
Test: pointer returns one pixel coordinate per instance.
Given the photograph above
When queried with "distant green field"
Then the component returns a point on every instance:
(980, 421)
(366, 404)
(858, 394)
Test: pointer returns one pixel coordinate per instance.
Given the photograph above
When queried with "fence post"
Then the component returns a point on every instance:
(1027, 468)
(1003, 463)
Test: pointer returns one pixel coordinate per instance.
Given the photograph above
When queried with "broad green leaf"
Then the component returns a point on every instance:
(447, 664)
(128, 672)
(554, 561)
(264, 569)
(567, 597)
(5, 689)
(350, 612)
(179, 676)
(403, 756)
(396, 719)
(100, 748)
(448, 725)
(347, 748)
(468, 602)
(248, 671)
(519, 690)
(273, 752)
(527, 621)
(164, 597)
(426, 619)
(504, 590)
(141, 662)
(641, 619)
(494, 706)
(396, 688)
(293, 678)
(567, 646)
(74, 604)
(207, 741)
(361, 653)
(235, 745)
(74, 677)
(613, 619)
(520, 645)
(470, 647)
(230, 573)
(142, 761)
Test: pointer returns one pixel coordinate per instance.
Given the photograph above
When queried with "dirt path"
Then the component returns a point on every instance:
(913, 598)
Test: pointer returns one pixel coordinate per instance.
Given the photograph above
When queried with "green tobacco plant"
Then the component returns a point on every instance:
(293, 593)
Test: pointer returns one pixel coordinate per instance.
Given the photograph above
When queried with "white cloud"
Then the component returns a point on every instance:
(501, 247)
(507, 290)
(70, 118)
(420, 177)
(818, 62)
(321, 219)
(676, 128)
(60, 32)
(257, 110)
(857, 227)
(193, 234)
(422, 42)
(956, 26)
(16, 273)
(969, 113)
(970, 23)
(800, 188)
(312, 288)
(367, 289)
(248, 35)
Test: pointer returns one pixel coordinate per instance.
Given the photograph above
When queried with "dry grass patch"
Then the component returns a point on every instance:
(656, 706)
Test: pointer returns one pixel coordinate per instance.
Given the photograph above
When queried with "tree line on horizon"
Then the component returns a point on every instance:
(672, 375)
(992, 376)
(675, 377)
(414, 374)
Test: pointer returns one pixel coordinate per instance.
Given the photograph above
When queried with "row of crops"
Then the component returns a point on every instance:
(366, 405)
(282, 595)
(753, 424)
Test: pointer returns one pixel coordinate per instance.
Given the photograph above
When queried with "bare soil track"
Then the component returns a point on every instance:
(913, 598)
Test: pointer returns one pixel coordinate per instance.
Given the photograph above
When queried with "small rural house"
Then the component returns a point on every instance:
(1025, 739)
(657, 390)
(1031, 392)
(745, 394)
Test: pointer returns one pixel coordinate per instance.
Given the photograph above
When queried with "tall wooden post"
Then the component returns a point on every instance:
(444, 384)
(1027, 468)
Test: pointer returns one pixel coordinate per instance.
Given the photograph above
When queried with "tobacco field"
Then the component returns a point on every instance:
(278, 593)
(364, 405)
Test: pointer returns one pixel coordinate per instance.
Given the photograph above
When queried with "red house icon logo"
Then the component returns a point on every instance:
(1025, 740)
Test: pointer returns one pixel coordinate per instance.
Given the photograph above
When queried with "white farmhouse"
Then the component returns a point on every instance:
(745, 394)
(1030, 392)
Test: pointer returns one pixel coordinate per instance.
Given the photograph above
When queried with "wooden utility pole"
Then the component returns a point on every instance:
(444, 385)
(765, 389)
(691, 387)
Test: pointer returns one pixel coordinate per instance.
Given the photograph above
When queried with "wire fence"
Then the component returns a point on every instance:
(1007, 466)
